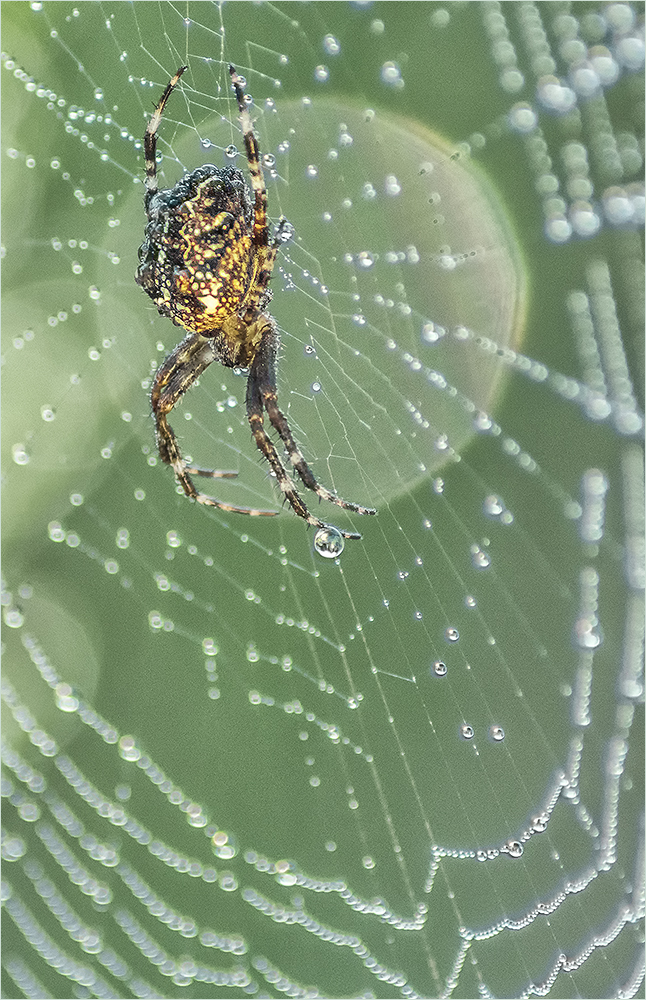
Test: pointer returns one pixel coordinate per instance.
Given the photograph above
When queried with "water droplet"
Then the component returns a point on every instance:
(479, 558)
(439, 668)
(391, 75)
(331, 45)
(451, 634)
(514, 848)
(329, 542)
(432, 333)
(123, 538)
(493, 506)
(586, 632)
(66, 699)
(55, 531)
(20, 455)
(522, 118)
(13, 618)
(554, 95)
(365, 260)
(466, 731)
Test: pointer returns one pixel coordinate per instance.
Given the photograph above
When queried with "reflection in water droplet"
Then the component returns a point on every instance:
(329, 542)
(439, 668)
(451, 634)
(466, 731)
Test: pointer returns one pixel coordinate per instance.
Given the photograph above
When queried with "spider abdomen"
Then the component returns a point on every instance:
(197, 261)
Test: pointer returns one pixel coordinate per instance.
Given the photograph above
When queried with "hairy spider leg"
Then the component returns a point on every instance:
(150, 137)
(260, 231)
(260, 234)
(177, 373)
(261, 393)
(266, 375)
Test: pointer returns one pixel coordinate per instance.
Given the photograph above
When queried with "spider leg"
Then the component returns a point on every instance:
(266, 447)
(260, 233)
(279, 421)
(150, 136)
(174, 376)
(261, 393)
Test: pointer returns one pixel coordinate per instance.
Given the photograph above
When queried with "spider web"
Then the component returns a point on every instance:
(232, 766)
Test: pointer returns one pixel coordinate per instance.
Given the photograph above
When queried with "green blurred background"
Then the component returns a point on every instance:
(232, 766)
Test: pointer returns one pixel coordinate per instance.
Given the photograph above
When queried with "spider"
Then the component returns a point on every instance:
(206, 261)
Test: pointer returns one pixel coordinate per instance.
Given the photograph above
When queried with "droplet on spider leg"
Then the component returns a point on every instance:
(285, 231)
(329, 542)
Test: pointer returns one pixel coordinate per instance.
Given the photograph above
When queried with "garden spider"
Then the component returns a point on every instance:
(206, 261)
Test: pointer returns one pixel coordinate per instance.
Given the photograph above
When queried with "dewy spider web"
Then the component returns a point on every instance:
(232, 766)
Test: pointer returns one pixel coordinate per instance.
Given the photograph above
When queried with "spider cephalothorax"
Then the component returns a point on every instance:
(206, 261)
